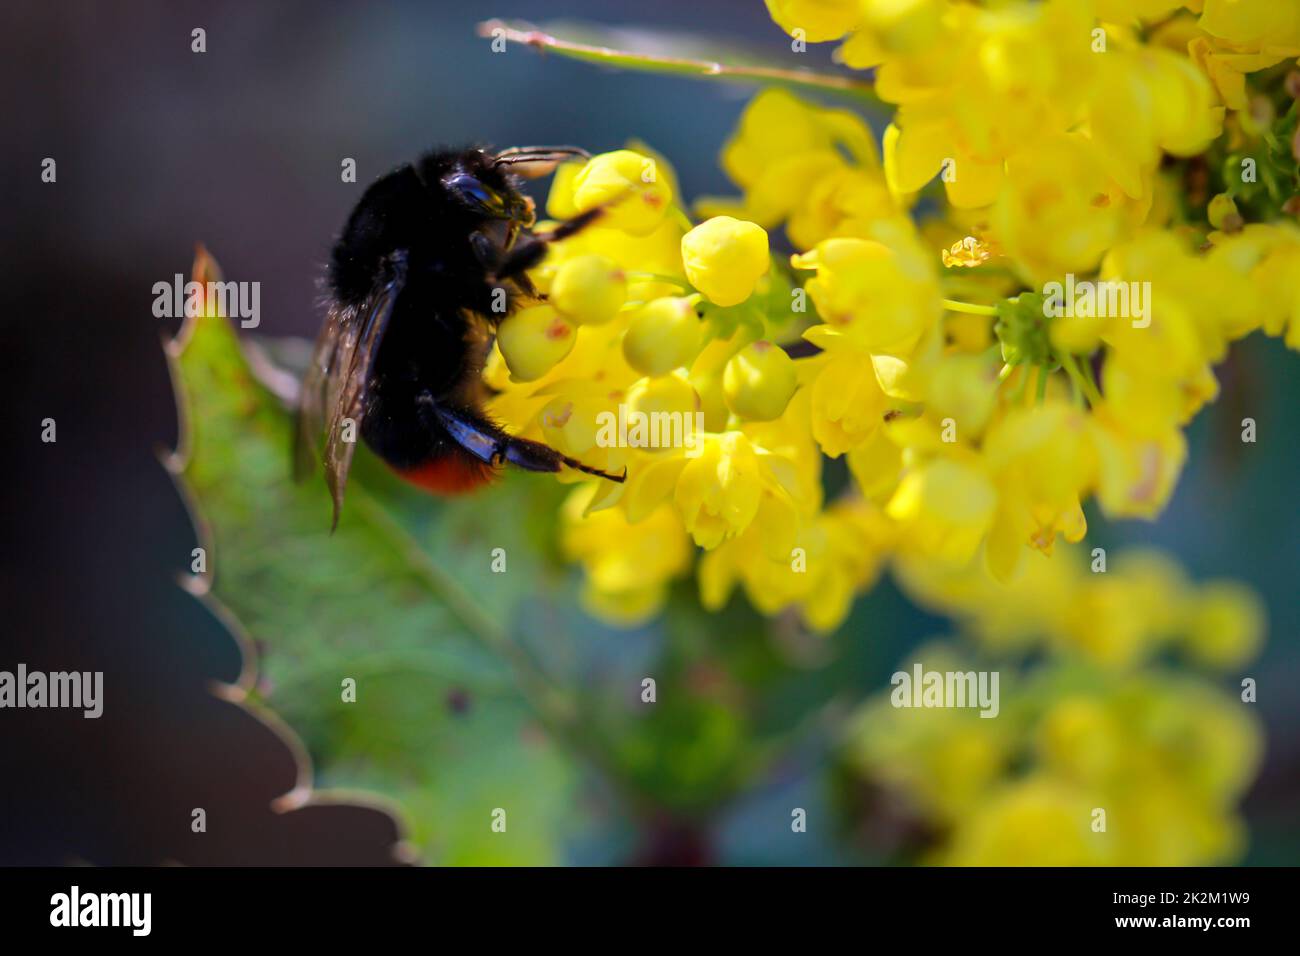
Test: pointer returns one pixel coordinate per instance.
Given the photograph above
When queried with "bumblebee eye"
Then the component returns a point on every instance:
(472, 194)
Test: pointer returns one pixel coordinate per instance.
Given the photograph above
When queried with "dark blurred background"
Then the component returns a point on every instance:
(240, 148)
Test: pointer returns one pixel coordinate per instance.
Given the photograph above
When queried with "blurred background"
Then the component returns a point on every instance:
(159, 148)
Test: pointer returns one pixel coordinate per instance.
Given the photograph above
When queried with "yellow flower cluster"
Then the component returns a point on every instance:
(1100, 757)
(984, 366)
(1117, 614)
(649, 352)
(1076, 771)
(983, 90)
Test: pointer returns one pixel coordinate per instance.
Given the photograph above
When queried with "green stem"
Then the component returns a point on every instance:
(1071, 366)
(1076, 393)
(1093, 391)
(659, 277)
(683, 220)
(953, 305)
(687, 66)
(1018, 393)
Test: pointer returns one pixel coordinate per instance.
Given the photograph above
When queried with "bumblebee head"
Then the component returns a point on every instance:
(484, 184)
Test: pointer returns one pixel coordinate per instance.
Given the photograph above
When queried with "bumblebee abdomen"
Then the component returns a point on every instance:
(453, 472)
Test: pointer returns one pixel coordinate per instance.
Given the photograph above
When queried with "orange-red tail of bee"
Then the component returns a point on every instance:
(453, 473)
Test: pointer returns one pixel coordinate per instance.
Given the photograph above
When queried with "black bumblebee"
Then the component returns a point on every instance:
(412, 284)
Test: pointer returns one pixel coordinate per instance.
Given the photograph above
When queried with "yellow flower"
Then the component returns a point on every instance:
(843, 201)
(1126, 11)
(1136, 474)
(963, 388)
(724, 258)
(881, 296)
(718, 492)
(1226, 68)
(1265, 262)
(1042, 462)
(819, 570)
(942, 761)
(1034, 822)
(892, 28)
(559, 200)
(627, 184)
(1255, 24)
(774, 126)
(819, 20)
(570, 424)
(944, 508)
(847, 405)
(915, 154)
(989, 82)
(628, 566)
(1225, 624)
(1059, 211)
(786, 150)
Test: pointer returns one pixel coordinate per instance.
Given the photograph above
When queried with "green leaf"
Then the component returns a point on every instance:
(452, 717)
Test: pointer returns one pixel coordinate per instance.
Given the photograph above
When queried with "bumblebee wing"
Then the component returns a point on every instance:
(337, 383)
(309, 423)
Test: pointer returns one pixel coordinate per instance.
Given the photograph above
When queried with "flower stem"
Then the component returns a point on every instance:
(709, 69)
(1071, 366)
(953, 305)
(659, 277)
(1091, 379)
(683, 220)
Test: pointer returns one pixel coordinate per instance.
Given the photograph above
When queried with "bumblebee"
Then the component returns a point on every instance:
(432, 258)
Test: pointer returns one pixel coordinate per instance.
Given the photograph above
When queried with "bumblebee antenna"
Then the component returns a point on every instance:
(534, 161)
(526, 154)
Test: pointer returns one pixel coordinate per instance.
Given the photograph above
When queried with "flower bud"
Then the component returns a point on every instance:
(627, 184)
(559, 202)
(669, 394)
(759, 382)
(1222, 213)
(534, 340)
(664, 335)
(724, 258)
(588, 290)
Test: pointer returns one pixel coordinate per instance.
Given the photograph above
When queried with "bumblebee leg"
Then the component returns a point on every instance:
(489, 443)
(534, 456)
(525, 254)
(531, 249)
(570, 226)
